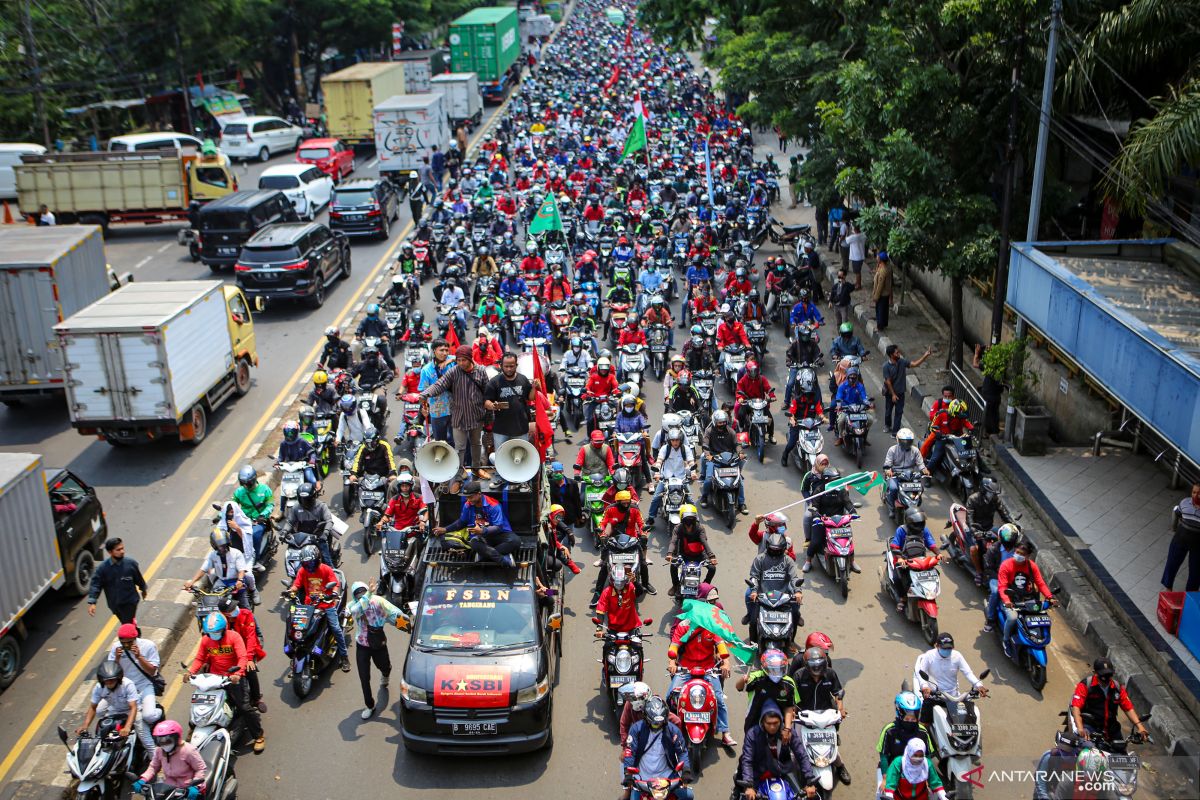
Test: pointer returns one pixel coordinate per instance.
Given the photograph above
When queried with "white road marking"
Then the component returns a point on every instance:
(359, 307)
(142, 263)
(252, 449)
(270, 426)
(346, 322)
(372, 163)
(163, 249)
(231, 480)
(291, 398)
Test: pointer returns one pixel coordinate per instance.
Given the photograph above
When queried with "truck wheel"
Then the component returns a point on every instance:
(81, 580)
(10, 661)
(241, 377)
(199, 422)
(264, 154)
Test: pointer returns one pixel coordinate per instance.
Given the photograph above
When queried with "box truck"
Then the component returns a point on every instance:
(419, 67)
(52, 530)
(486, 41)
(46, 274)
(155, 359)
(351, 95)
(147, 186)
(406, 129)
(460, 94)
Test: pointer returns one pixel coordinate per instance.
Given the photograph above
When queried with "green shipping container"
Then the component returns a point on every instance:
(485, 41)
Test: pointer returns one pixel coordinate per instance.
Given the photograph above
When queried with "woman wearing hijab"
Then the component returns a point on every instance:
(910, 777)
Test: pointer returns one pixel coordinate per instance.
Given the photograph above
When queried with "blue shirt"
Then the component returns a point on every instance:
(650, 281)
(299, 450)
(535, 328)
(515, 286)
(898, 539)
(849, 393)
(805, 312)
(491, 512)
(438, 406)
(697, 274)
(630, 423)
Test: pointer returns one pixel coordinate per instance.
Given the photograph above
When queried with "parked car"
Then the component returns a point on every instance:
(10, 156)
(260, 137)
(364, 207)
(158, 140)
(292, 260)
(224, 225)
(328, 155)
(307, 187)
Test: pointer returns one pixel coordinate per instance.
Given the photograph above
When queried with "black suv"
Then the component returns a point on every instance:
(224, 225)
(364, 207)
(292, 260)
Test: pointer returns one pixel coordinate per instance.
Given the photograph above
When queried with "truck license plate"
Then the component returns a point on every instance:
(473, 728)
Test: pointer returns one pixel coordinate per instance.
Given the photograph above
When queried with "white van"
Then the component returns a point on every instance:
(10, 156)
(159, 140)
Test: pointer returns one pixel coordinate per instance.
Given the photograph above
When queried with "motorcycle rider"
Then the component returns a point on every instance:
(336, 353)
(352, 423)
(485, 350)
(737, 283)
(374, 326)
(659, 314)
(623, 517)
(773, 568)
(730, 331)
(818, 688)
(556, 288)
(256, 501)
(616, 609)
(597, 457)
(696, 352)
(654, 749)
(322, 396)
(139, 660)
(620, 483)
(532, 263)
(1095, 701)
(226, 566)
(912, 540)
(1002, 550)
(805, 404)
(698, 650)
(830, 504)
(982, 506)
(373, 457)
(851, 392)
(753, 386)
(771, 751)
(223, 652)
(242, 620)
(576, 356)
(673, 460)
(771, 683)
(901, 457)
(179, 762)
(535, 326)
(683, 396)
(1018, 581)
(702, 300)
(753, 310)
(805, 312)
(312, 579)
(912, 777)
(803, 351)
(310, 515)
(512, 285)
(719, 437)
(689, 542)
(406, 508)
(951, 422)
(631, 420)
(371, 373)
(601, 383)
(896, 734)
(846, 344)
(942, 664)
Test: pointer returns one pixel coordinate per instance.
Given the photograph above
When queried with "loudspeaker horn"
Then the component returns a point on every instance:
(517, 461)
(437, 462)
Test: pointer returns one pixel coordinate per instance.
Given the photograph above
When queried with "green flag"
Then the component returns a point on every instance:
(705, 615)
(547, 218)
(862, 482)
(637, 137)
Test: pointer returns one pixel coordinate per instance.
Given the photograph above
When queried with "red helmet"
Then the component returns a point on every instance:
(818, 639)
(752, 367)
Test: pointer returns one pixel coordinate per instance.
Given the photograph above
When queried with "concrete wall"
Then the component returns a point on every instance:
(1077, 415)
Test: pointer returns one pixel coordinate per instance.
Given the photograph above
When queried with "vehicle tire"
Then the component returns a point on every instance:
(730, 514)
(302, 684)
(761, 447)
(241, 377)
(317, 298)
(193, 252)
(844, 582)
(858, 453)
(346, 266)
(1037, 676)
(964, 791)
(10, 660)
(81, 579)
(347, 501)
(299, 140)
(385, 230)
(199, 420)
(695, 756)
(214, 268)
(264, 155)
(929, 626)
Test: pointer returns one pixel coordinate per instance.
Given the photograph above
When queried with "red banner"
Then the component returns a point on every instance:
(470, 686)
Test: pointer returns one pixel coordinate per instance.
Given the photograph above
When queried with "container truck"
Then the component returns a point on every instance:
(351, 95)
(419, 67)
(52, 530)
(147, 186)
(486, 41)
(460, 93)
(46, 274)
(406, 129)
(155, 359)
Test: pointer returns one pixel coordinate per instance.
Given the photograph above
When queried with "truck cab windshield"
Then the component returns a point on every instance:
(478, 617)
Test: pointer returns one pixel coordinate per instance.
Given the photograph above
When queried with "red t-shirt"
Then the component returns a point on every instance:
(620, 611)
(632, 519)
(404, 511)
(702, 650)
(218, 657)
(313, 583)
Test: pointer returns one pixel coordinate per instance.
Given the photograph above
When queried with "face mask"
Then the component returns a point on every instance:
(945, 652)
(1019, 558)
(167, 748)
(218, 636)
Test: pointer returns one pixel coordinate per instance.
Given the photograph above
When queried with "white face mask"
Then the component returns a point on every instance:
(168, 748)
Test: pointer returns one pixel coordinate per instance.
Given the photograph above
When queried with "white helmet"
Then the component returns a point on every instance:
(670, 421)
(905, 435)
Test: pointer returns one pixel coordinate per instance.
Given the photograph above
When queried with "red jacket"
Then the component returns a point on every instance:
(702, 303)
(600, 385)
(247, 628)
(218, 657)
(731, 334)
(606, 450)
(552, 292)
(532, 264)
(610, 494)
(632, 519)
(506, 206)
(655, 317)
(487, 356)
(620, 612)
(735, 286)
(753, 387)
(702, 649)
(404, 513)
(632, 336)
(757, 535)
(947, 425)
(593, 213)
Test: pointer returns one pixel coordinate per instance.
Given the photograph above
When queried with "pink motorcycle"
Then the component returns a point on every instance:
(838, 554)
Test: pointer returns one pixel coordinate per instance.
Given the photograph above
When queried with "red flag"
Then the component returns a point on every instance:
(200, 79)
(452, 338)
(629, 37)
(541, 408)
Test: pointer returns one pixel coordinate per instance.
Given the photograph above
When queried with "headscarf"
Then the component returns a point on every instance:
(914, 774)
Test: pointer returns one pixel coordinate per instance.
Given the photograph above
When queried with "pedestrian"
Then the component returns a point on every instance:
(371, 613)
(46, 216)
(840, 299)
(460, 137)
(425, 175)
(507, 396)
(418, 193)
(794, 180)
(895, 385)
(465, 384)
(834, 223)
(783, 139)
(437, 161)
(856, 243)
(439, 407)
(453, 160)
(881, 291)
(121, 580)
(1186, 542)
(822, 225)
(843, 246)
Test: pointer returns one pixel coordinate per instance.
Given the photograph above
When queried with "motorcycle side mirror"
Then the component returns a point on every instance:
(285, 583)
(232, 669)
(983, 675)
(329, 587)
(62, 734)
(858, 504)
(650, 621)
(904, 687)
(924, 675)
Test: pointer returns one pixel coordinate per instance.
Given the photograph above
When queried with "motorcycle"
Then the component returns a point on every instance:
(1031, 639)
(657, 336)
(629, 448)
(674, 496)
(690, 577)
(959, 466)
(632, 366)
(421, 253)
(310, 642)
(100, 762)
(703, 379)
(622, 662)
(955, 543)
(818, 731)
(838, 554)
(707, 320)
(558, 315)
(696, 705)
(1123, 766)
(412, 435)
(211, 713)
(955, 734)
(296, 541)
(574, 380)
(291, 475)
(516, 316)
(325, 426)
(620, 550)
(760, 423)
(679, 249)
(910, 494)
(773, 625)
(208, 601)
(617, 314)
(396, 320)
(346, 453)
(809, 443)
(604, 416)
(372, 497)
(757, 334)
(858, 423)
(925, 586)
(690, 427)
(733, 360)
(592, 492)
(399, 552)
(726, 485)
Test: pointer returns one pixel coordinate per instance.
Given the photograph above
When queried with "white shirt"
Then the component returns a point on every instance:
(672, 462)
(857, 242)
(235, 562)
(242, 521)
(133, 670)
(942, 672)
(452, 295)
(584, 359)
(48, 218)
(117, 699)
(351, 426)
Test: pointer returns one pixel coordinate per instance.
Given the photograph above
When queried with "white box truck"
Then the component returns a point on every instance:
(407, 127)
(419, 66)
(154, 359)
(52, 530)
(46, 274)
(460, 92)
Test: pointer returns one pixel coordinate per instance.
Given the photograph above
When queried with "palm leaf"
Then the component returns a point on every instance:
(1157, 148)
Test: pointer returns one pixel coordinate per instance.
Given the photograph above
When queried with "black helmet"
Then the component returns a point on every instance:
(621, 478)
(776, 544)
(914, 520)
(218, 539)
(816, 660)
(310, 556)
(655, 712)
(109, 671)
(370, 437)
(990, 487)
(306, 494)
(417, 318)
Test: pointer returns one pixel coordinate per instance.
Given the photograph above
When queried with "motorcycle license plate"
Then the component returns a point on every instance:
(758, 417)
(623, 558)
(1122, 761)
(858, 419)
(728, 472)
(962, 729)
(473, 728)
(619, 680)
(915, 486)
(697, 716)
(227, 251)
(371, 497)
(776, 617)
(820, 737)
(1037, 620)
(207, 699)
(843, 531)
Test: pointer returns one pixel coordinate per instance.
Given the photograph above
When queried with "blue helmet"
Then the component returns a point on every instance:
(373, 310)
(347, 403)
(907, 703)
(247, 476)
(215, 625)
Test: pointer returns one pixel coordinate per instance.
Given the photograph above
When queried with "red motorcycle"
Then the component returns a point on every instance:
(696, 706)
(424, 258)
(617, 314)
(558, 314)
(629, 448)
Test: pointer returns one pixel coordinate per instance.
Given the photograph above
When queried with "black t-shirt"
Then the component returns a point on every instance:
(514, 420)
(816, 694)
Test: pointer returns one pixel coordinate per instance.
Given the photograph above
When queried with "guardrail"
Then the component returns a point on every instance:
(965, 390)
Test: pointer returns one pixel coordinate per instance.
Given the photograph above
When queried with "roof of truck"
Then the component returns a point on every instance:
(485, 16)
(14, 465)
(36, 247)
(139, 304)
(363, 70)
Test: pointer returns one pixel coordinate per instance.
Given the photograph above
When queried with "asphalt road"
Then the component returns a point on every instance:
(147, 491)
(330, 749)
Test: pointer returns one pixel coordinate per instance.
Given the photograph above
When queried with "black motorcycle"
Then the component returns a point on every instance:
(726, 483)
(372, 497)
(311, 644)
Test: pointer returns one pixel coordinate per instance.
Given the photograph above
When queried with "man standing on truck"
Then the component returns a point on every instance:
(121, 580)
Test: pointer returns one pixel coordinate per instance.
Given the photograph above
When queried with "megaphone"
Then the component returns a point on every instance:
(517, 461)
(437, 462)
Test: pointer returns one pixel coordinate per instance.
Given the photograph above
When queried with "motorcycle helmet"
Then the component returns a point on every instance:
(218, 540)
(775, 664)
(621, 479)
(675, 435)
(846, 328)
(370, 437)
(109, 671)
(405, 479)
(818, 639)
(853, 374)
(247, 476)
(638, 694)
(373, 311)
(576, 342)
(619, 578)
(1092, 762)
(991, 489)
(306, 494)
(957, 408)
(802, 295)
(628, 403)
(685, 378)
(168, 734)
(752, 368)
(398, 281)
(531, 248)
(720, 418)
(417, 319)
(776, 543)
(688, 512)
(310, 556)
(805, 381)
(215, 626)
(776, 521)
(332, 333)
(631, 320)
(726, 310)
(556, 511)
(347, 403)
(1009, 535)
(752, 296)
(907, 703)
(603, 365)
(656, 712)
(291, 431)
(320, 377)
(914, 520)
(307, 415)
(905, 438)
(816, 660)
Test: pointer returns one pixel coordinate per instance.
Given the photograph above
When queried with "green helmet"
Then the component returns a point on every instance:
(1009, 535)
(846, 327)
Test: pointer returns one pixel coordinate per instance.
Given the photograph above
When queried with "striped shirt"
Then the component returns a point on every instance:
(466, 395)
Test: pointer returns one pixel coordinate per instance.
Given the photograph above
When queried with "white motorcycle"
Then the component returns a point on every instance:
(291, 475)
(956, 735)
(818, 729)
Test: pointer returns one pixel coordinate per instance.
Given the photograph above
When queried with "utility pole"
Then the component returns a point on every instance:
(1010, 166)
(1039, 164)
(35, 71)
(183, 83)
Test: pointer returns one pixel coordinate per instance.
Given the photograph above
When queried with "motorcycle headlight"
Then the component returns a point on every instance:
(534, 693)
(697, 696)
(413, 695)
(622, 661)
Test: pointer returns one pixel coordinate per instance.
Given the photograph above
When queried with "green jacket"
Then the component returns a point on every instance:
(259, 502)
(895, 774)
(499, 308)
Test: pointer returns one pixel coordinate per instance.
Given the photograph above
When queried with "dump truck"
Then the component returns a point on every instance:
(351, 95)
(47, 273)
(462, 100)
(406, 129)
(147, 186)
(486, 41)
(52, 530)
(155, 359)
